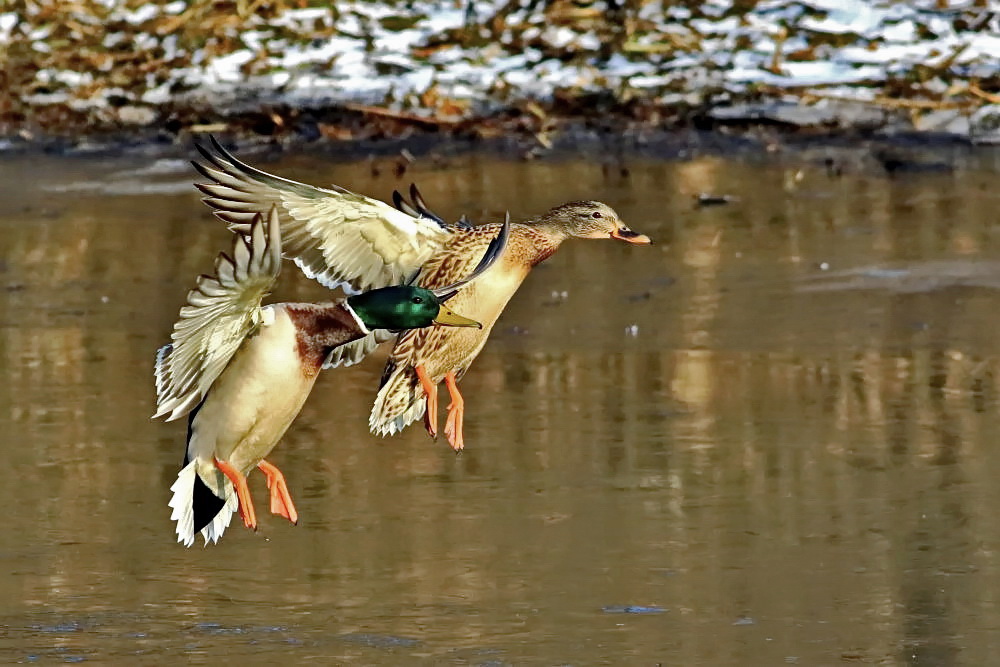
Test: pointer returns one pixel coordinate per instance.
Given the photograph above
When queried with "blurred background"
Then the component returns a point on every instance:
(299, 69)
(769, 438)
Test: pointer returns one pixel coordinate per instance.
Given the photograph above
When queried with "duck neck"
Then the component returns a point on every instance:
(545, 237)
(319, 328)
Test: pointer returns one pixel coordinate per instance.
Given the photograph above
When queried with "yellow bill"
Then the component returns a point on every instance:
(448, 317)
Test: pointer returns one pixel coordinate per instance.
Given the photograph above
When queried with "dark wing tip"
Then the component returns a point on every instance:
(400, 202)
(204, 152)
(217, 146)
(422, 209)
(213, 153)
(492, 254)
(416, 196)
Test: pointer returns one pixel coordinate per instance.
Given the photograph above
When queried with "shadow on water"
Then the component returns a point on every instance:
(770, 438)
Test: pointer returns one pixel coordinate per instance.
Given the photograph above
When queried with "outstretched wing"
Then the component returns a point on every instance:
(220, 313)
(418, 207)
(352, 353)
(337, 237)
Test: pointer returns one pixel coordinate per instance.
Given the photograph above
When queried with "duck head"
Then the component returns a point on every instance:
(411, 307)
(405, 307)
(592, 220)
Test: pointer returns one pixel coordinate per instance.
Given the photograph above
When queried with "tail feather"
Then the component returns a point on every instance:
(399, 403)
(196, 495)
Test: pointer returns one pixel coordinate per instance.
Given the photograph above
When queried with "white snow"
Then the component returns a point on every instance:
(7, 23)
(355, 57)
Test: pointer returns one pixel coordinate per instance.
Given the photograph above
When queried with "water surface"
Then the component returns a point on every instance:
(770, 438)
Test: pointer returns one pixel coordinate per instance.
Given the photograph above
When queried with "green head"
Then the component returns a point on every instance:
(405, 307)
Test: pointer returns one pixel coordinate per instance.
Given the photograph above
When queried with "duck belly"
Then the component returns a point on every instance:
(253, 402)
(483, 300)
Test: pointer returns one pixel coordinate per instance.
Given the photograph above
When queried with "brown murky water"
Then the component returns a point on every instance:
(773, 438)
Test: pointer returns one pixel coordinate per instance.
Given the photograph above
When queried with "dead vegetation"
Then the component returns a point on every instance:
(85, 66)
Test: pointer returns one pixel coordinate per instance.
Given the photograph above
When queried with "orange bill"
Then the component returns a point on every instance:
(627, 235)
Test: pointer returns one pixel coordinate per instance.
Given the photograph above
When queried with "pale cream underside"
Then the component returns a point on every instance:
(252, 403)
(484, 301)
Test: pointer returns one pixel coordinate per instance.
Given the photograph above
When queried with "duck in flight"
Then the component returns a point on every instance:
(343, 239)
(241, 371)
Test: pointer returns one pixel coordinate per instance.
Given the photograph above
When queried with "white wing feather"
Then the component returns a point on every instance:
(221, 311)
(337, 237)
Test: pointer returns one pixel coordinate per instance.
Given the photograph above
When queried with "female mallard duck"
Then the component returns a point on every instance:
(242, 371)
(335, 235)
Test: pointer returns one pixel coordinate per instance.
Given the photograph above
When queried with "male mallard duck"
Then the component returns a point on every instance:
(242, 371)
(336, 235)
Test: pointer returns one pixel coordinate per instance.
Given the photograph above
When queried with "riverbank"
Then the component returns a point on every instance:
(99, 75)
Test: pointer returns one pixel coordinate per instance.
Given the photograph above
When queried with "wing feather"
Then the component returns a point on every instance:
(352, 353)
(222, 310)
(335, 236)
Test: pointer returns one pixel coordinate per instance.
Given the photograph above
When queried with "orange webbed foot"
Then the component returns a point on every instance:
(431, 392)
(281, 499)
(242, 493)
(456, 412)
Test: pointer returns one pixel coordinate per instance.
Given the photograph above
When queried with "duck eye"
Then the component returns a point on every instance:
(418, 299)
(597, 214)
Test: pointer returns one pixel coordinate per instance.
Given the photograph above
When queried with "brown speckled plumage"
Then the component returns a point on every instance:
(341, 238)
(439, 350)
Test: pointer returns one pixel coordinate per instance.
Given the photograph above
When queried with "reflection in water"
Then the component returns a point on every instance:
(792, 474)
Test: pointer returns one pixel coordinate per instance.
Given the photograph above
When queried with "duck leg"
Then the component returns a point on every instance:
(281, 500)
(242, 493)
(431, 391)
(456, 413)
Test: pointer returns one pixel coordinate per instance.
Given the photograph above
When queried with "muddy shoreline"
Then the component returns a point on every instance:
(876, 139)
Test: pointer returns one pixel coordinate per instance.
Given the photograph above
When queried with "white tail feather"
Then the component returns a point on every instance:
(183, 508)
